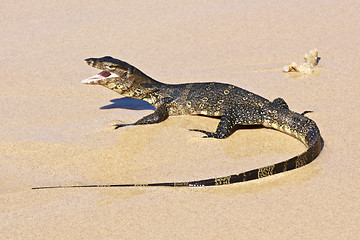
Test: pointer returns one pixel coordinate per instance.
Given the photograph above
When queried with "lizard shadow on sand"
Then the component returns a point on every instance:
(129, 103)
(138, 104)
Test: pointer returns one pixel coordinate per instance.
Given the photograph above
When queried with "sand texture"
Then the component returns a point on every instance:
(56, 131)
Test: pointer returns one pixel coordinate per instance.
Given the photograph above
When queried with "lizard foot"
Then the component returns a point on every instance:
(122, 125)
(208, 134)
(305, 112)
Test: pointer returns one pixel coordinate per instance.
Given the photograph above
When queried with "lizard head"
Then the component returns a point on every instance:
(112, 70)
(121, 77)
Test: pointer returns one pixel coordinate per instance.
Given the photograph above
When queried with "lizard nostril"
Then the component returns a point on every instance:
(89, 61)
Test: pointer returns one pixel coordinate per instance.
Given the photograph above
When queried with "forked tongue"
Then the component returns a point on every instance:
(99, 78)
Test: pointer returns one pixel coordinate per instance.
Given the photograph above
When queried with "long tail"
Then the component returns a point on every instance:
(290, 164)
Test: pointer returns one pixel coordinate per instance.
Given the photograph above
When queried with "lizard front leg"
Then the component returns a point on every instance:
(161, 113)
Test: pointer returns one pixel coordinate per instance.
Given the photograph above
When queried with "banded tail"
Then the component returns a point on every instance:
(298, 161)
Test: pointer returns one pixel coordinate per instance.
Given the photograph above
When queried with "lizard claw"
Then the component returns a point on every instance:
(121, 125)
(207, 134)
(305, 112)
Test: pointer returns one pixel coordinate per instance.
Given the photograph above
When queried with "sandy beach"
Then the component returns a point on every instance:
(57, 131)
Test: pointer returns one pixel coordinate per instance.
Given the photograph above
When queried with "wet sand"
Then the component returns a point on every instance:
(57, 131)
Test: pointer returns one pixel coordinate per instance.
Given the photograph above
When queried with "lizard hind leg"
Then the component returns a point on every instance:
(241, 115)
(280, 103)
(227, 122)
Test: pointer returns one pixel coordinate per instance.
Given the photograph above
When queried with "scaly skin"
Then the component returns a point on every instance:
(234, 106)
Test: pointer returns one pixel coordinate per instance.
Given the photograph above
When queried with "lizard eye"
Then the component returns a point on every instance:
(110, 67)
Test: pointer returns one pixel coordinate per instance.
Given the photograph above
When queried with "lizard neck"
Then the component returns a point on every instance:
(138, 85)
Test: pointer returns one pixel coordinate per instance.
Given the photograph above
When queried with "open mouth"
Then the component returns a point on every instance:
(100, 78)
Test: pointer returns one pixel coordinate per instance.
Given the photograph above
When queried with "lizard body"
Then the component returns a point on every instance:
(234, 106)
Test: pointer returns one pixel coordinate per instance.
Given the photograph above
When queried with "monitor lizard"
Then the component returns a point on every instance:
(234, 106)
